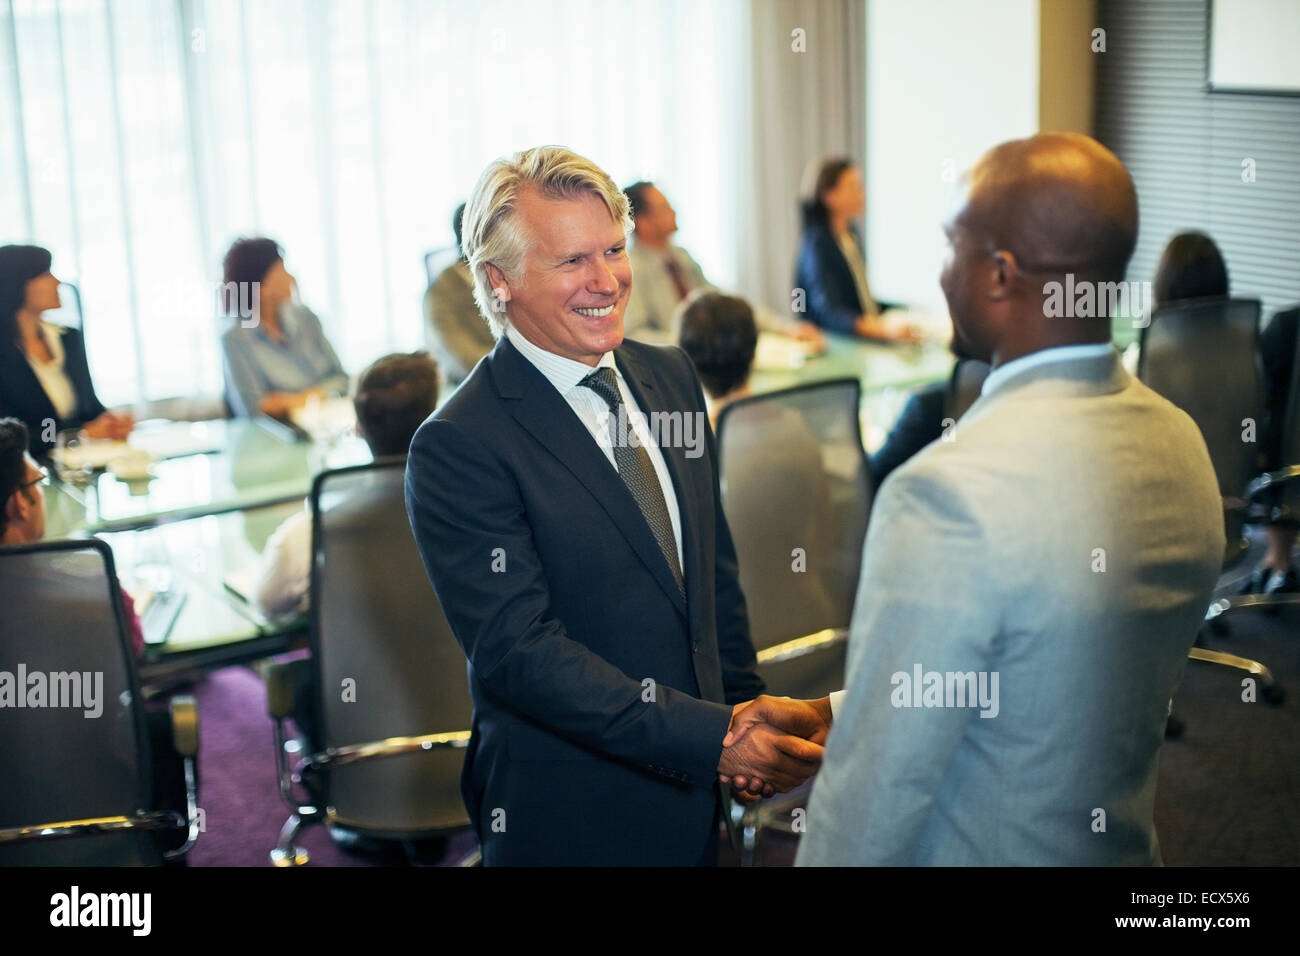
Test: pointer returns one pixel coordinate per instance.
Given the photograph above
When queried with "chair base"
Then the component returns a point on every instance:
(286, 853)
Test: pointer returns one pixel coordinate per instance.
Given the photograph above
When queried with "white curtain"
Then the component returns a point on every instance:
(804, 99)
(142, 136)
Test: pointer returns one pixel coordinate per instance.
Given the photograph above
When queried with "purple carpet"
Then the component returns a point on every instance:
(238, 791)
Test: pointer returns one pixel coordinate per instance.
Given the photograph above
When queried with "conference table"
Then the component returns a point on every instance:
(197, 525)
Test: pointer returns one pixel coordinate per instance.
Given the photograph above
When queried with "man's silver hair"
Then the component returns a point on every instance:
(490, 231)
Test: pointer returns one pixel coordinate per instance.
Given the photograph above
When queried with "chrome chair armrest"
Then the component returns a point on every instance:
(1231, 660)
(391, 747)
(808, 644)
(140, 820)
(1270, 478)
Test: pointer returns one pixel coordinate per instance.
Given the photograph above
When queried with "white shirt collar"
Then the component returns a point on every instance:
(1062, 353)
(53, 335)
(563, 373)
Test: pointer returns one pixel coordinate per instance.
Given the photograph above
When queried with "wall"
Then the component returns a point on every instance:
(1186, 146)
(946, 79)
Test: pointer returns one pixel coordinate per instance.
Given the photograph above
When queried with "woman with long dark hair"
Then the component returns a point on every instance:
(44, 377)
(1191, 267)
(832, 270)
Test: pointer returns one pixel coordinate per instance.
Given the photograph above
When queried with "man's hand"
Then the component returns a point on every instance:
(277, 405)
(810, 719)
(807, 332)
(882, 330)
(116, 425)
(774, 757)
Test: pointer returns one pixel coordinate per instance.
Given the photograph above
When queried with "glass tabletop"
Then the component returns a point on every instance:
(887, 372)
(878, 365)
(255, 464)
(195, 558)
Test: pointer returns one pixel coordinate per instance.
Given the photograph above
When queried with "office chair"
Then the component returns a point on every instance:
(1271, 501)
(1202, 355)
(797, 492)
(78, 785)
(389, 703)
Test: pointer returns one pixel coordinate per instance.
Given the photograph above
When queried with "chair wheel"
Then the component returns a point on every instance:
(1274, 695)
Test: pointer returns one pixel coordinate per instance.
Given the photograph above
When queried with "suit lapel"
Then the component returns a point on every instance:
(545, 414)
(25, 383)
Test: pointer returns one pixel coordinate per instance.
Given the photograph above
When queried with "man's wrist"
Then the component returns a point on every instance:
(722, 751)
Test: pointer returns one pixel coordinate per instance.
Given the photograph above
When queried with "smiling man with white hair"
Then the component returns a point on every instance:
(591, 579)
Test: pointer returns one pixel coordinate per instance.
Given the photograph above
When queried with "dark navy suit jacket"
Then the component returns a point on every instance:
(601, 697)
(821, 271)
(22, 397)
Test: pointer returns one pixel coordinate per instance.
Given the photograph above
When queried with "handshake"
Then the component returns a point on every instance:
(773, 745)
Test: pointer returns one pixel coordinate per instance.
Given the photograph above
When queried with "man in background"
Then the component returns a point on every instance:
(22, 521)
(457, 334)
(394, 395)
(666, 274)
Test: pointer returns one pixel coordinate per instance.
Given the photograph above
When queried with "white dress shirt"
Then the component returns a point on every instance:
(565, 374)
(285, 574)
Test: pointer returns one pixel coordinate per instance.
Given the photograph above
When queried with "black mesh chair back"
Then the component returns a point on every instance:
(968, 377)
(1202, 355)
(1289, 441)
(797, 490)
(386, 662)
(83, 753)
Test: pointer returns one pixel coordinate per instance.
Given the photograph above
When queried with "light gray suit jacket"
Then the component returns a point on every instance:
(986, 554)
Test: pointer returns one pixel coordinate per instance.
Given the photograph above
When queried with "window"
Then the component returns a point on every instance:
(148, 134)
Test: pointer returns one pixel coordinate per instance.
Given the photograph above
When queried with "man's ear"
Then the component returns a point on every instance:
(17, 508)
(500, 285)
(1001, 275)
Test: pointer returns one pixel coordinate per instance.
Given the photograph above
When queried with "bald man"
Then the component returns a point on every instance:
(1030, 589)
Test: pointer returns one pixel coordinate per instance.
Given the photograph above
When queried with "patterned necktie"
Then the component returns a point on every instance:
(637, 472)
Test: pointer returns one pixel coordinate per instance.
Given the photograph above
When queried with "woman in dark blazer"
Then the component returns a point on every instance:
(831, 268)
(44, 378)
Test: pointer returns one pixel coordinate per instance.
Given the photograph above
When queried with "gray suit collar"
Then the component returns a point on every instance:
(1099, 375)
(1074, 378)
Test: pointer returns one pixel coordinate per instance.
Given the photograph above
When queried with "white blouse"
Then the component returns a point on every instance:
(52, 375)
